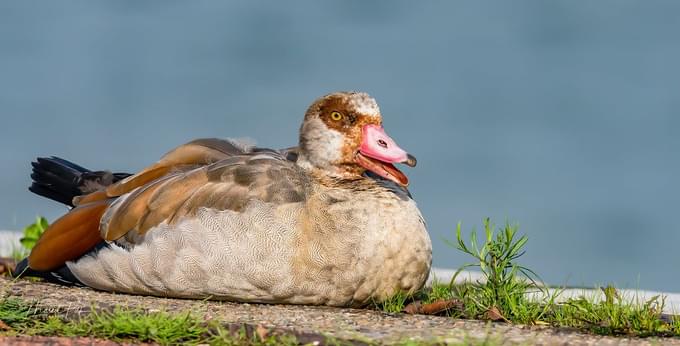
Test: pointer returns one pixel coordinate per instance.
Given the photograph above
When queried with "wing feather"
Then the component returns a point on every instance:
(68, 237)
(127, 211)
(193, 154)
(164, 203)
(227, 184)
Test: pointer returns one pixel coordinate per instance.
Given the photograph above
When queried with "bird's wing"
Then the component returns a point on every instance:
(194, 154)
(207, 173)
(224, 185)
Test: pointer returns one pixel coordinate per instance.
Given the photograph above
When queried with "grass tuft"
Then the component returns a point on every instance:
(503, 295)
(437, 291)
(615, 315)
(393, 304)
(513, 293)
(33, 232)
(30, 236)
(159, 327)
(132, 325)
(16, 313)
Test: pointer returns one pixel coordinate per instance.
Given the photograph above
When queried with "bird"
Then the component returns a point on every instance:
(328, 222)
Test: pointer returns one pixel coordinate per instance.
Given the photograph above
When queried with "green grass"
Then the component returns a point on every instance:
(502, 296)
(394, 303)
(33, 232)
(437, 291)
(16, 313)
(30, 236)
(120, 324)
(18, 253)
(615, 315)
(490, 340)
(130, 325)
(507, 282)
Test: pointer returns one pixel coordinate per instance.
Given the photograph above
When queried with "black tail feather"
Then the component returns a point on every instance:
(61, 276)
(57, 164)
(56, 179)
(61, 180)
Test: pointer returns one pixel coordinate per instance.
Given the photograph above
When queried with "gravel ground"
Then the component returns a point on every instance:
(346, 324)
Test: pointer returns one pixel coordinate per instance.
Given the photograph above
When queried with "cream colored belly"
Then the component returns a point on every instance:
(392, 251)
(264, 254)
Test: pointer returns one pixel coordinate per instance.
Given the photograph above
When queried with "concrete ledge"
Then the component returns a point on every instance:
(352, 326)
(9, 241)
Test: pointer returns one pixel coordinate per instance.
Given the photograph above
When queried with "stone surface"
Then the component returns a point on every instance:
(9, 240)
(348, 324)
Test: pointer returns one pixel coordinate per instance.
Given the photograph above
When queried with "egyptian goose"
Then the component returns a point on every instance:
(329, 222)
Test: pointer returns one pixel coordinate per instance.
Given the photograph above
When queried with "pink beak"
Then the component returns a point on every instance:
(378, 152)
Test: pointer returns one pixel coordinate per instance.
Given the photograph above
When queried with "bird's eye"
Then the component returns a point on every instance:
(337, 116)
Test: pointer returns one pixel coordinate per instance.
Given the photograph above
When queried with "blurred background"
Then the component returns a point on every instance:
(561, 116)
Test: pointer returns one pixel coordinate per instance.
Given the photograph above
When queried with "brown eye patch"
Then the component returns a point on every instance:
(333, 113)
(335, 120)
(338, 114)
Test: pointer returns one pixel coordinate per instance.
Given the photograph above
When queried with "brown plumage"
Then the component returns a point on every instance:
(223, 185)
(69, 237)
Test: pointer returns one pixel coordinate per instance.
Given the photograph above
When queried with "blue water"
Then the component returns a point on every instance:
(560, 115)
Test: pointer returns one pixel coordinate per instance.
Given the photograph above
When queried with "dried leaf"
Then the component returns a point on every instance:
(413, 308)
(433, 308)
(262, 332)
(495, 315)
(4, 326)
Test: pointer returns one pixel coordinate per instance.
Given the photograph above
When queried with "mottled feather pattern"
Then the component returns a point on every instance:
(322, 251)
(227, 239)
